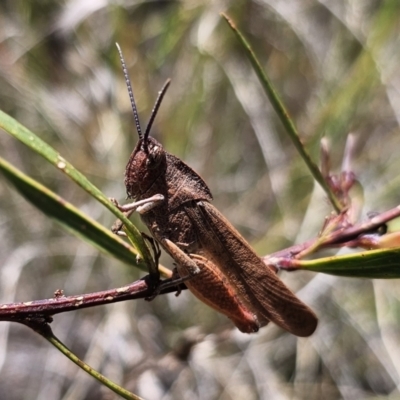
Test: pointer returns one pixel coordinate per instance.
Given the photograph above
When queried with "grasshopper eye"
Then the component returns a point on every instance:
(156, 155)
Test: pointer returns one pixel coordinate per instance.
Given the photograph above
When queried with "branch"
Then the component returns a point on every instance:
(24, 312)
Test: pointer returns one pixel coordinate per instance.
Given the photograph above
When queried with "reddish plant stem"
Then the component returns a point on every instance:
(32, 310)
(341, 236)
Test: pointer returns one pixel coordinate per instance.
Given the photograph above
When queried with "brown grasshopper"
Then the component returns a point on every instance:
(223, 269)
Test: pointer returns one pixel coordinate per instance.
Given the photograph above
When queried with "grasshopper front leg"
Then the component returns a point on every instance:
(141, 206)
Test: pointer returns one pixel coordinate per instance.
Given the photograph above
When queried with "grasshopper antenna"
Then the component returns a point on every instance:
(130, 91)
(157, 104)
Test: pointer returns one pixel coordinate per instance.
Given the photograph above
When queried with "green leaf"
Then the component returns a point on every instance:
(27, 137)
(48, 334)
(283, 114)
(70, 217)
(376, 264)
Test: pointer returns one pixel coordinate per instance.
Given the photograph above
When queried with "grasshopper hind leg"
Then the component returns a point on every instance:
(209, 285)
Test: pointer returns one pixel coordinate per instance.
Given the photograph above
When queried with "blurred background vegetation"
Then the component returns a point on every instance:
(337, 67)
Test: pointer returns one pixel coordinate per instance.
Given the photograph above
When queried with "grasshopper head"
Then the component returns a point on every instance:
(148, 160)
(146, 163)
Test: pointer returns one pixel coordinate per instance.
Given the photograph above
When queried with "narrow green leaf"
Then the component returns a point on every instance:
(70, 217)
(27, 137)
(376, 264)
(283, 114)
(49, 335)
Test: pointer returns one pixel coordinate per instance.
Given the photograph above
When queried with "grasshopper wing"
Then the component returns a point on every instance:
(258, 287)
